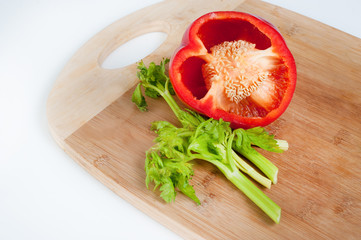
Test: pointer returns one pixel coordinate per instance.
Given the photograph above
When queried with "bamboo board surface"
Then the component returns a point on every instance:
(92, 118)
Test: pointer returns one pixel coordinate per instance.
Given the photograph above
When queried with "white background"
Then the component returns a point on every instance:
(44, 194)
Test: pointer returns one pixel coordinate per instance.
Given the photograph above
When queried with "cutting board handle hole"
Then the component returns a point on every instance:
(134, 50)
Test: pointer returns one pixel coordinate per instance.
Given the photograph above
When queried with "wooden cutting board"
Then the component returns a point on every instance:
(92, 118)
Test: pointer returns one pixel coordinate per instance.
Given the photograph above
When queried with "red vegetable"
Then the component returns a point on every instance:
(234, 66)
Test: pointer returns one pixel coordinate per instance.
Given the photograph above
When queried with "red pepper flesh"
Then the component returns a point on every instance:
(234, 66)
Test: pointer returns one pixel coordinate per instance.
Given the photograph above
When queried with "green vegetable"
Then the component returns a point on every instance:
(156, 83)
(168, 163)
(259, 137)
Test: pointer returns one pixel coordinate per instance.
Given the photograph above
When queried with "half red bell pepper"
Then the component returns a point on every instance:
(234, 66)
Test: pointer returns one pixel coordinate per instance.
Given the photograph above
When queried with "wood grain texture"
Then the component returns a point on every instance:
(92, 118)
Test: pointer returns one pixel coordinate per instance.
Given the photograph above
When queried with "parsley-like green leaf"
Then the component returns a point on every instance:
(139, 99)
(167, 163)
(187, 189)
(260, 137)
(168, 192)
(209, 140)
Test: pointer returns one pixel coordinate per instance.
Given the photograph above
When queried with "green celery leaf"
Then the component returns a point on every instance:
(143, 72)
(172, 142)
(158, 173)
(167, 161)
(190, 119)
(168, 191)
(187, 189)
(139, 99)
(154, 169)
(150, 92)
(210, 140)
(218, 130)
(260, 137)
(159, 125)
(205, 149)
(179, 168)
(154, 75)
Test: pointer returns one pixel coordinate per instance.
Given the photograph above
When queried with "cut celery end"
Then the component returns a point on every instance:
(250, 171)
(282, 144)
(257, 196)
(265, 165)
(251, 191)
